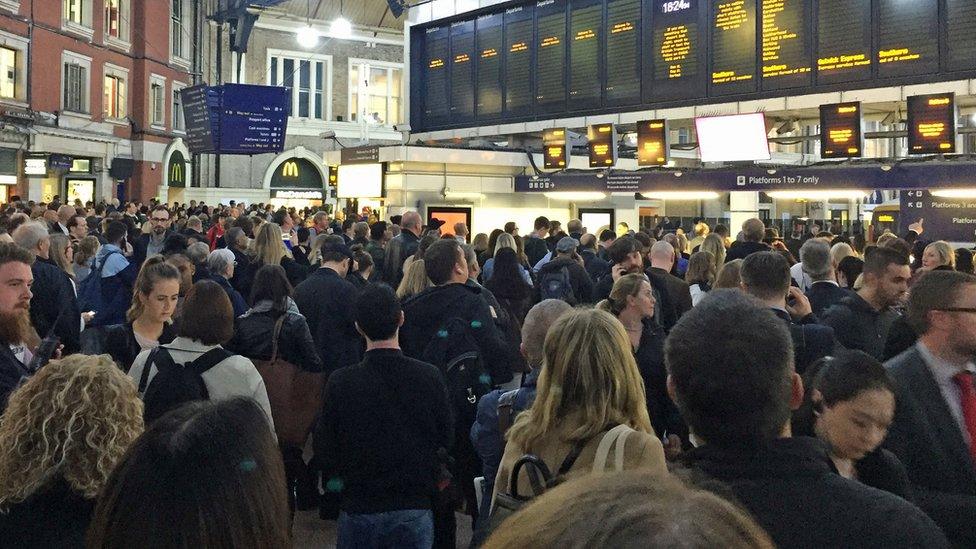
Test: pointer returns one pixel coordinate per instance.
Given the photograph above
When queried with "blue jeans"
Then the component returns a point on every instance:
(405, 529)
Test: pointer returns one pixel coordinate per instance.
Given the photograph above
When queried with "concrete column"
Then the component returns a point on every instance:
(742, 206)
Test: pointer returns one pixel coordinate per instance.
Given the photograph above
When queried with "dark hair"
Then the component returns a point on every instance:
(933, 291)
(607, 234)
(208, 316)
(731, 362)
(440, 259)
(329, 251)
(10, 253)
(303, 233)
(207, 474)
(765, 275)
(493, 239)
(542, 222)
(361, 256)
(377, 312)
(422, 246)
(622, 247)
(877, 259)
(722, 230)
(510, 227)
(852, 267)
(245, 223)
(271, 284)
(838, 379)
(897, 245)
(964, 260)
(115, 232)
(175, 243)
(161, 208)
(279, 216)
(348, 223)
(506, 278)
(377, 230)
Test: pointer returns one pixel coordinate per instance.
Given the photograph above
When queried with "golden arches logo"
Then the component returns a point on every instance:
(290, 169)
(176, 172)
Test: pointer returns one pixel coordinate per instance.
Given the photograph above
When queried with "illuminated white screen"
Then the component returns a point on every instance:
(735, 138)
(360, 181)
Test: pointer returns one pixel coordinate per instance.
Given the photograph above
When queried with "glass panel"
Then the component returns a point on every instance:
(304, 74)
(8, 72)
(288, 73)
(394, 111)
(109, 99)
(120, 111)
(396, 81)
(353, 93)
(274, 71)
(377, 109)
(303, 97)
(317, 98)
(112, 18)
(177, 110)
(378, 80)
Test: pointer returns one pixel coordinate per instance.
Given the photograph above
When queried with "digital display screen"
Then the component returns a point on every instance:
(488, 45)
(733, 138)
(602, 145)
(960, 21)
(932, 124)
(786, 51)
(554, 149)
(623, 32)
(908, 37)
(360, 181)
(844, 41)
(585, 28)
(550, 65)
(437, 106)
(841, 134)
(733, 25)
(652, 143)
(462, 70)
(677, 47)
(518, 60)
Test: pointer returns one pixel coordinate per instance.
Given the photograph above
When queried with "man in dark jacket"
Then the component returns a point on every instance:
(383, 423)
(753, 232)
(730, 365)
(625, 258)
(327, 299)
(401, 247)
(54, 308)
(934, 431)
(567, 264)
(678, 297)
(220, 263)
(824, 292)
(15, 327)
(861, 321)
(595, 267)
(535, 243)
(152, 243)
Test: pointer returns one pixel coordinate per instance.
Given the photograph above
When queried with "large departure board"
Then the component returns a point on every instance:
(438, 108)
(733, 27)
(462, 71)
(932, 124)
(960, 20)
(585, 35)
(488, 46)
(676, 57)
(786, 45)
(908, 37)
(550, 57)
(623, 36)
(844, 49)
(518, 60)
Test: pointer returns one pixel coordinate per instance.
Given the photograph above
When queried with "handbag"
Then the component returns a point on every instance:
(295, 395)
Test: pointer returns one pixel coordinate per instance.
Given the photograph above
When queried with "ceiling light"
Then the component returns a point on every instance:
(307, 37)
(340, 28)
(578, 196)
(817, 195)
(464, 195)
(954, 193)
(681, 195)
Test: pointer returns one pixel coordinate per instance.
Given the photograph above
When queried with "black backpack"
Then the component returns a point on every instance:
(557, 285)
(454, 350)
(174, 384)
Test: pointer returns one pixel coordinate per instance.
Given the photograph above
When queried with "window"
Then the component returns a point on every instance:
(179, 124)
(113, 18)
(8, 72)
(157, 101)
(74, 11)
(176, 24)
(309, 77)
(375, 92)
(114, 103)
(75, 87)
(76, 15)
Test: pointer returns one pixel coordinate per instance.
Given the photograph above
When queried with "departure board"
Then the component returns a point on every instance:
(960, 20)
(786, 46)
(908, 37)
(733, 55)
(436, 59)
(677, 47)
(844, 50)
(518, 60)
(555, 150)
(841, 134)
(602, 145)
(550, 64)
(623, 35)
(932, 124)
(585, 30)
(652, 143)
(462, 70)
(488, 45)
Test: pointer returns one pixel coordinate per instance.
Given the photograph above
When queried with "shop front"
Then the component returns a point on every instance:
(8, 174)
(296, 179)
(58, 175)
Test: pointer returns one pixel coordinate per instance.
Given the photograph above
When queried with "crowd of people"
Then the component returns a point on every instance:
(191, 375)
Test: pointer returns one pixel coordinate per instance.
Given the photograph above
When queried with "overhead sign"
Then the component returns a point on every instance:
(360, 155)
(236, 118)
(35, 165)
(951, 219)
(602, 145)
(841, 131)
(555, 150)
(652, 143)
(932, 124)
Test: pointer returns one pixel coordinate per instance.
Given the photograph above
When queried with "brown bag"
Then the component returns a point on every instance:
(295, 395)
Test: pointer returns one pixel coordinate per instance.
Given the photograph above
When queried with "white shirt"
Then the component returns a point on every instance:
(233, 377)
(944, 372)
(802, 279)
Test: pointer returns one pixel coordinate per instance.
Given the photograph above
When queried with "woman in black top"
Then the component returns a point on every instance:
(359, 277)
(508, 286)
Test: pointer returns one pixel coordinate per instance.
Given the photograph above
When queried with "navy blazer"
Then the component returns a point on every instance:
(823, 295)
(928, 441)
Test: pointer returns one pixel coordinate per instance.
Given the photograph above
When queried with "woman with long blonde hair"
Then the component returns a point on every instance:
(61, 436)
(269, 248)
(714, 245)
(589, 390)
(414, 280)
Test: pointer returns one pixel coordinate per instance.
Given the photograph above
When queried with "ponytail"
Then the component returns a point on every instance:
(154, 269)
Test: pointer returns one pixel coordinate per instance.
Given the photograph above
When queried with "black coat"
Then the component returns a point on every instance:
(398, 250)
(578, 279)
(790, 488)
(901, 337)
(927, 439)
(665, 417)
(678, 294)
(295, 272)
(253, 338)
(824, 295)
(594, 265)
(54, 517)
(858, 326)
(741, 250)
(811, 341)
(327, 301)
(140, 248)
(12, 371)
(119, 342)
(54, 301)
(535, 249)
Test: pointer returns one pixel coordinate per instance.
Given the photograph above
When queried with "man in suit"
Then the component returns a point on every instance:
(766, 276)
(824, 291)
(753, 232)
(678, 295)
(934, 431)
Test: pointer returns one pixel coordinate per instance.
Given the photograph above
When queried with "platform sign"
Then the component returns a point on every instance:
(652, 143)
(555, 150)
(841, 131)
(602, 145)
(932, 124)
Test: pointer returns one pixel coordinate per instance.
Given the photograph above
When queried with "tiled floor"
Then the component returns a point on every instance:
(309, 531)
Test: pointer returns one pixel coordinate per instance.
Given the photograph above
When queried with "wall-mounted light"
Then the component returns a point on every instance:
(817, 195)
(681, 195)
(464, 195)
(576, 196)
(954, 193)
(307, 37)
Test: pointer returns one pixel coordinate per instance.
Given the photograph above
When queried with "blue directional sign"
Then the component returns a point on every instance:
(236, 118)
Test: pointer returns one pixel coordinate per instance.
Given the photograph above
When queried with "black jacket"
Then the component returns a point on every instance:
(54, 517)
(242, 268)
(12, 371)
(595, 266)
(253, 338)
(664, 312)
(397, 251)
(426, 312)
(811, 341)
(140, 248)
(578, 279)
(901, 337)
(380, 429)
(236, 299)
(741, 250)
(535, 249)
(790, 488)
(327, 301)
(295, 272)
(665, 417)
(858, 326)
(357, 280)
(824, 295)
(119, 342)
(927, 439)
(54, 301)
(678, 294)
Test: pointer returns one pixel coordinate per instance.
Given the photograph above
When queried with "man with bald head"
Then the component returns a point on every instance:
(753, 231)
(675, 294)
(65, 213)
(402, 246)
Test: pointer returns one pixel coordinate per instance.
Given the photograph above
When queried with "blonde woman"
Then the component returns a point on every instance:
(728, 276)
(60, 438)
(414, 281)
(938, 255)
(700, 276)
(589, 389)
(714, 245)
(505, 240)
(62, 254)
(269, 249)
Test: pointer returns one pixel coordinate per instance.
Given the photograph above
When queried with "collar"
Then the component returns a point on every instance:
(782, 313)
(181, 343)
(327, 271)
(784, 457)
(825, 282)
(942, 370)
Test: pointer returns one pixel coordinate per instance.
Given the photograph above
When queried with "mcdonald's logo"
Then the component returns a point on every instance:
(290, 169)
(176, 172)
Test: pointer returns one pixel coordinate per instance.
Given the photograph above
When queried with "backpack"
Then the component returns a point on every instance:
(175, 384)
(557, 285)
(454, 351)
(90, 292)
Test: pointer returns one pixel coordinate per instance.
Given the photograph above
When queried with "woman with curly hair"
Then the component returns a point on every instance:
(63, 433)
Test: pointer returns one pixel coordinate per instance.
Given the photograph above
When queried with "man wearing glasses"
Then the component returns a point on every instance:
(934, 431)
(152, 243)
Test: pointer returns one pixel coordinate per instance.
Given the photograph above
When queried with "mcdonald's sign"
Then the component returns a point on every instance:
(290, 169)
(176, 170)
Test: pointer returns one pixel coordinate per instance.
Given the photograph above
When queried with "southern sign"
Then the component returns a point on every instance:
(951, 219)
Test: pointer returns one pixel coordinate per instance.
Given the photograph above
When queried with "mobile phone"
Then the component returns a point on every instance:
(44, 353)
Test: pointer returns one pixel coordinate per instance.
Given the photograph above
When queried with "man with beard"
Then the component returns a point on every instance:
(17, 337)
(152, 243)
